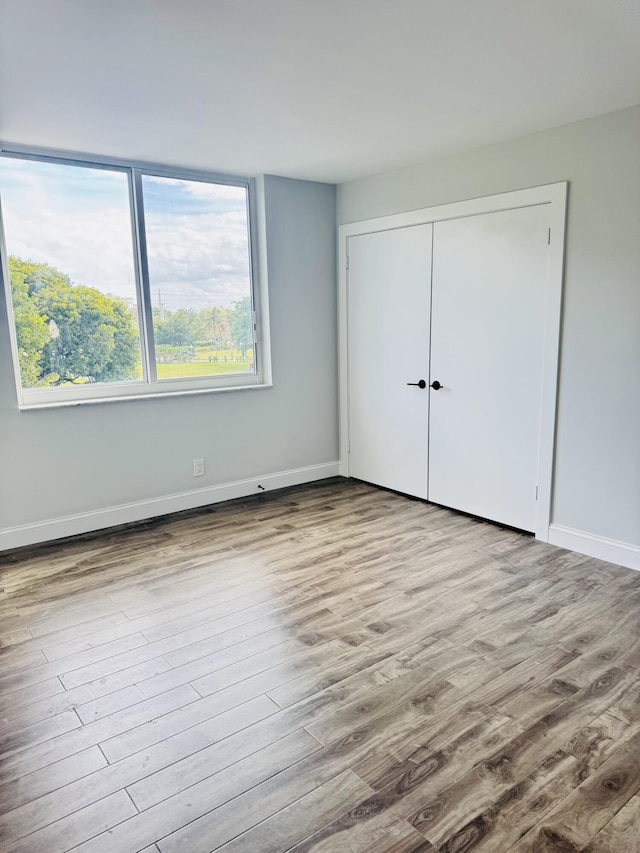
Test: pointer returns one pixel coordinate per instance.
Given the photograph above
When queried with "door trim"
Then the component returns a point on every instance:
(555, 195)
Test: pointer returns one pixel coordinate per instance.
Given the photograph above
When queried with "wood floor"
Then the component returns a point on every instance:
(330, 668)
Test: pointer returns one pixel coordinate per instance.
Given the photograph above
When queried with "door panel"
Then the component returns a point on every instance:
(388, 330)
(489, 293)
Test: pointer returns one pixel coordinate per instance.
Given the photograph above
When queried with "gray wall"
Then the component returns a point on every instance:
(57, 462)
(597, 472)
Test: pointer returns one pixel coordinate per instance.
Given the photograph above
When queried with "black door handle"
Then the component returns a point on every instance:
(436, 385)
(420, 384)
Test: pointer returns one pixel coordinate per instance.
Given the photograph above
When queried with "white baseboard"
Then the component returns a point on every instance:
(84, 522)
(621, 553)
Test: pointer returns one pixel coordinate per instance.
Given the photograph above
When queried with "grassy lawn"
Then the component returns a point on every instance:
(179, 369)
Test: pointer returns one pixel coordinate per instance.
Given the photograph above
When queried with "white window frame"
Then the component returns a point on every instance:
(149, 386)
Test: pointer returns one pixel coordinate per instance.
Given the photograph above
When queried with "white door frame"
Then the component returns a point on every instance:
(555, 195)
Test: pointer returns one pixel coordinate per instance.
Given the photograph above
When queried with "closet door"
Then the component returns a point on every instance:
(389, 284)
(489, 293)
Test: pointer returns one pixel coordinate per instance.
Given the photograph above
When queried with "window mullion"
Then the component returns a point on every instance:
(251, 248)
(142, 275)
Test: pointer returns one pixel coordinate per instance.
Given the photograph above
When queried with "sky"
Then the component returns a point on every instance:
(78, 220)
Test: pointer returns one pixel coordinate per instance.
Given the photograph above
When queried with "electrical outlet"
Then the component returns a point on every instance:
(198, 467)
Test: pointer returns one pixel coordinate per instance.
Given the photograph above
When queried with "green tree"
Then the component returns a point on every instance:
(36, 276)
(32, 332)
(179, 328)
(92, 336)
(242, 324)
(67, 333)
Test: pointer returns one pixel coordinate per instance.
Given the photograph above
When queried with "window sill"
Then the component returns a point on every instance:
(159, 395)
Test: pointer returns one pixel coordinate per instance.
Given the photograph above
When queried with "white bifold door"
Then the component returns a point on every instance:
(457, 307)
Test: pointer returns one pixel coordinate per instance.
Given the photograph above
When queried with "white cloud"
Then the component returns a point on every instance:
(200, 260)
(201, 189)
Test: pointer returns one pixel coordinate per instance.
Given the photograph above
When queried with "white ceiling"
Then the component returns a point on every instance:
(326, 90)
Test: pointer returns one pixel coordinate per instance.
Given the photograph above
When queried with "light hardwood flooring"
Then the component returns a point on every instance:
(328, 668)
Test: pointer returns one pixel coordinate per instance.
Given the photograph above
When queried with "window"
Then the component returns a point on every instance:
(125, 281)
